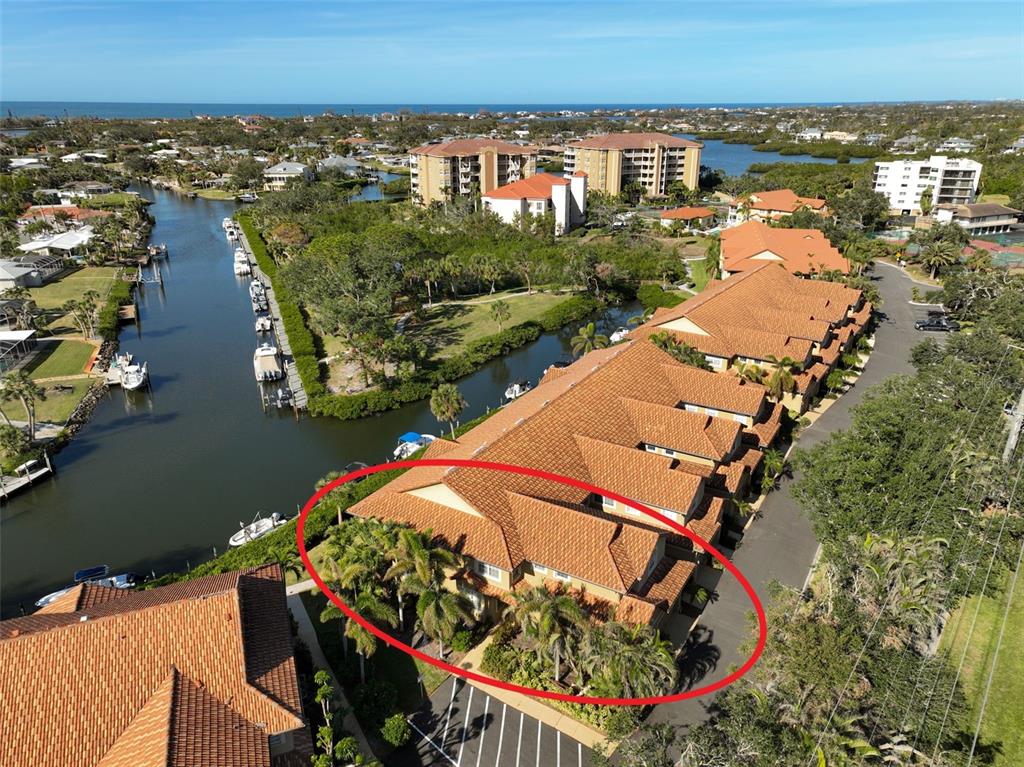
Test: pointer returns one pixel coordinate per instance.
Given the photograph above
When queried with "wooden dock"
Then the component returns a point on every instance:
(11, 485)
(299, 398)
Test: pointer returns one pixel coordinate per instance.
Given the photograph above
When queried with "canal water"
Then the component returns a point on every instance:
(156, 480)
(736, 159)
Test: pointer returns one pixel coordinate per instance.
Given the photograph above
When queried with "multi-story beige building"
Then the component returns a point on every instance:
(654, 160)
(464, 167)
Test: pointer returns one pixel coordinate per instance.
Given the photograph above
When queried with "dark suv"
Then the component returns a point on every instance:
(938, 324)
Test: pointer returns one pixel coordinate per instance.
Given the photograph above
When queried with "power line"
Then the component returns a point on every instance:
(892, 588)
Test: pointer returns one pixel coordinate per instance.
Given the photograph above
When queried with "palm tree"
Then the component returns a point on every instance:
(441, 612)
(552, 618)
(416, 564)
(780, 380)
(634, 662)
(369, 606)
(680, 350)
(587, 339)
(773, 465)
(17, 385)
(500, 313)
(980, 260)
(939, 254)
(446, 403)
(749, 372)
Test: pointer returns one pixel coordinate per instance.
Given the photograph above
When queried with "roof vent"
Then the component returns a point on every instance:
(83, 619)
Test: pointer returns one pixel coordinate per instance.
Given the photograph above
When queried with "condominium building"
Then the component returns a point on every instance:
(614, 161)
(466, 167)
(951, 181)
(771, 206)
(200, 672)
(564, 197)
(978, 218)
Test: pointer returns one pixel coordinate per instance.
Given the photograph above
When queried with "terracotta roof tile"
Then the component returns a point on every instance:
(781, 200)
(535, 187)
(686, 213)
(800, 251)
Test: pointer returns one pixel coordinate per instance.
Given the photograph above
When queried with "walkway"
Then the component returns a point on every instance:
(780, 544)
(308, 636)
(299, 396)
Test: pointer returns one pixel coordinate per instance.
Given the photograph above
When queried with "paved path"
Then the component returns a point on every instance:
(780, 545)
(308, 635)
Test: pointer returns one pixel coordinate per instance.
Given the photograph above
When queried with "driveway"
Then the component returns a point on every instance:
(462, 726)
(780, 545)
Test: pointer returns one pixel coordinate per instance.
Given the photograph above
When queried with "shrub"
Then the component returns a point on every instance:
(373, 702)
(396, 730)
(505, 633)
(108, 323)
(501, 661)
(653, 297)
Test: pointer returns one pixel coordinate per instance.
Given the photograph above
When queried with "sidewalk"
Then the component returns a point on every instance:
(308, 635)
(534, 707)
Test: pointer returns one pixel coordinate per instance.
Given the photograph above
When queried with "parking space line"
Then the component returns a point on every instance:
(519, 744)
(579, 754)
(501, 734)
(465, 724)
(483, 731)
(558, 748)
(538, 742)
(448, 718)
(431, 742)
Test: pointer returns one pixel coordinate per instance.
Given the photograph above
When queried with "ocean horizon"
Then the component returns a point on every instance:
(183, 110)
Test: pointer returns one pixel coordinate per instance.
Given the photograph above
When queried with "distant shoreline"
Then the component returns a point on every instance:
(177, 110)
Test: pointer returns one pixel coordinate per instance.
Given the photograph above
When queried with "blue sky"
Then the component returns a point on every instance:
(529, 51)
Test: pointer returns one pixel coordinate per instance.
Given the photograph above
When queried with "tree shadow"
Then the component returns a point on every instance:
(699, 658)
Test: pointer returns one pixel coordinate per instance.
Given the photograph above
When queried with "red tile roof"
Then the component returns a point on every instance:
(198, 672)
(687, 214)
(800, 251)
(781, 200)
(536, 187)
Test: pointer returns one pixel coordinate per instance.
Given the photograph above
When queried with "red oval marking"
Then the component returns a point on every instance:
(762, 622)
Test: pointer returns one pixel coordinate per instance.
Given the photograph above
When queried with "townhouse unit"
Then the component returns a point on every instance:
(948, 180)
(979, 217)
(197, 672)
(767, 313)
(800, 251)
(655, 161)
(564, 197)
(692, 217)
(466, 167)
(277, 177)
(771, 206)
(629, 419)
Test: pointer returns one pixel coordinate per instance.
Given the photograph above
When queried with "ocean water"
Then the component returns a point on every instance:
(137, 110)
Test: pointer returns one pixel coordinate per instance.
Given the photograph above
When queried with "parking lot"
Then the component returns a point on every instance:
(462, 726)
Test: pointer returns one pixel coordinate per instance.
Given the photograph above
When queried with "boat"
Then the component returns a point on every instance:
(259, 527)
(264, 324)
(620, 334)
(53, 596)
(91, 573)
(517, 389)
(259, 305)
(256, 291)
(356, 466)
(134, 376)
(240, 255)
(247, 197)
(266, 362)
(227, 223)
(157, 251)
(242, 268)
(99, 576)
(410, 442)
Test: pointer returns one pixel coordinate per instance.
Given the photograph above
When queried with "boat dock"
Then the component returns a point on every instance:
(10, 485)
(299, 399)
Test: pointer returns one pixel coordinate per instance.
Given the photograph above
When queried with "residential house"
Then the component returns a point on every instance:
(84, 190)
(908, 144)
(348, 166)
(839, 135)
(655, 161)
(957, 145)
(199, 672)
(15, 346)
(800, 251)
(73, 244)
(277, 177)
(948, 180)
(690, 217)
(55, 214)
(629, 419)
(764, 313)
(14, 275)
(564, 197)
(467, 167)
(809, 134)
(979, 217)
(771, 206)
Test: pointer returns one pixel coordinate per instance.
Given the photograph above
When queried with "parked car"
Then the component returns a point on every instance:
(937, 324)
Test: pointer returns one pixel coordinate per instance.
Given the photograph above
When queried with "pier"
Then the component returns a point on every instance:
(26, 477)
(299, 399)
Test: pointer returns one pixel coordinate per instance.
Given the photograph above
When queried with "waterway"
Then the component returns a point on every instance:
(156, 480)
(736, 159)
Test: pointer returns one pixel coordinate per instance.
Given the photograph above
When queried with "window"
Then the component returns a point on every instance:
(539, 569)
(560, 576)
(608, 503)
(739, 417)
(488, 571)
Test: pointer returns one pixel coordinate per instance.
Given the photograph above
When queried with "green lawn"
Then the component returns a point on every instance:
(64, 358)
(699, 274)
(53, 295)
(1002, 720)
(1000, 199)
(448, 328)
(387, 663)
(112, 200)
(57, 406)
(215, 194)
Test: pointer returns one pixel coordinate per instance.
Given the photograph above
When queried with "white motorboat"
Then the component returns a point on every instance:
(242, 268)
(266, 362)
(100, 576)
(264, 324)
(256, 291)
(620, 334)
(517, 389)
(259, 305)
(256, 529)
(134, 376)
(53, 596)
(247, 197)
(240, 255)
(410, 442)
(227, 223)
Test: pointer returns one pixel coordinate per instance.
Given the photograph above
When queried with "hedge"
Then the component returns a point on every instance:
(654, 297)
(321, 517)
(109, 323)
